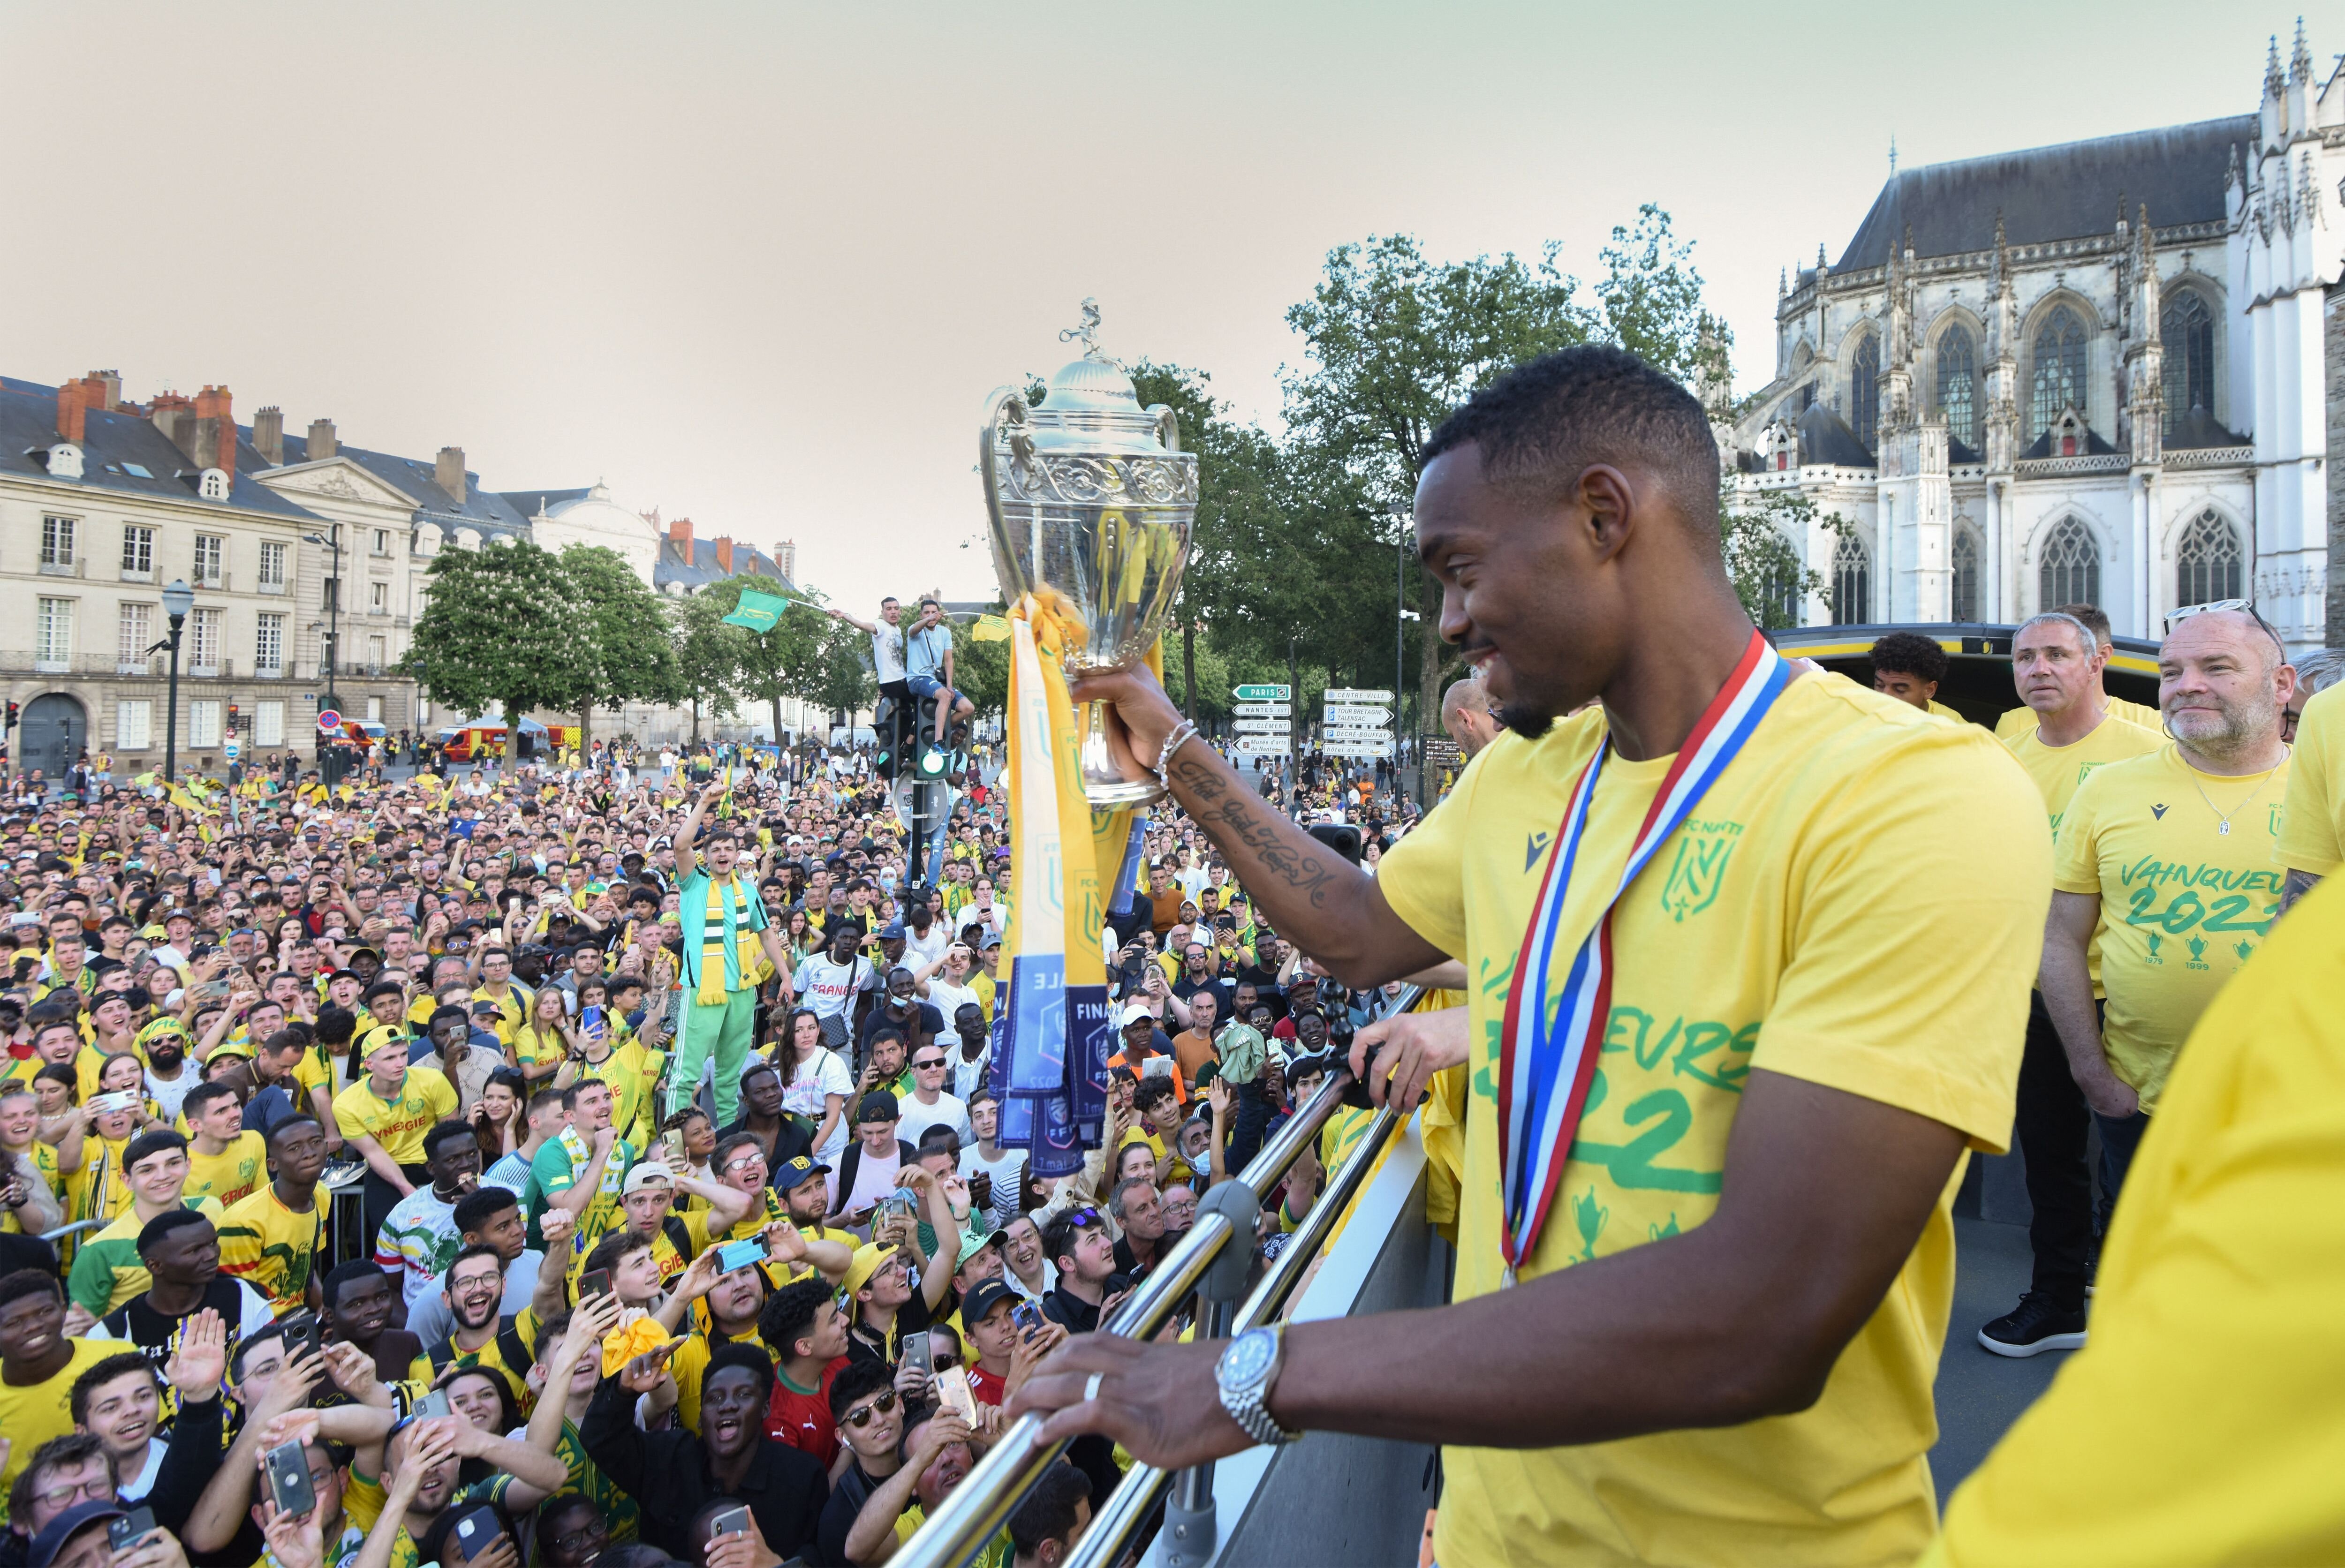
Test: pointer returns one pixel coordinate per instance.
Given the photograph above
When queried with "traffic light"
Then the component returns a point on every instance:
(921, 744)
(232, 718)
(12, 715)
(884, 716)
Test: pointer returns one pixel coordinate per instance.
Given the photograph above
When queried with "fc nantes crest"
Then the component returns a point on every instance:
(1698, 867)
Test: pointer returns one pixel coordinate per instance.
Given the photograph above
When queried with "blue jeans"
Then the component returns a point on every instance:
(2120, 1136)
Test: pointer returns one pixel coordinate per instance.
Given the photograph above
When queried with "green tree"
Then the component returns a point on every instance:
(785, 661)
(1650, 295)
(1764, 562)
(707, 657)
(498, 626)
(842, 681)
(623, 649)
(981, 670)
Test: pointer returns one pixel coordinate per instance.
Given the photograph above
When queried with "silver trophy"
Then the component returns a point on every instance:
(1092, 500)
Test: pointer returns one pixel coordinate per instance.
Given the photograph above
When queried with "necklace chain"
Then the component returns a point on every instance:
(2223, 818)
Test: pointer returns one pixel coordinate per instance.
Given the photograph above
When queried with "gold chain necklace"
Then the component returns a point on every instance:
(2223, 818)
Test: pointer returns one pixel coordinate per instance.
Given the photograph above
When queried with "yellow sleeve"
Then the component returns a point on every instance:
(2311, 823)
(346, 1116)
(1421, 876)
(2148, 1451)
(2076, 856)
(441, 1094)
(1975, 900)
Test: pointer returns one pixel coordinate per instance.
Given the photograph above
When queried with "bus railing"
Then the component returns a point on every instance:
(1219, 1274)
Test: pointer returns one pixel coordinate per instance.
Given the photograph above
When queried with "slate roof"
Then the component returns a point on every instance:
(2064, 192)
(1825, 437)
(2095, 447)
(698, 568)
(528, 503)
(2197, 429)
(484, 510)
(29, 428)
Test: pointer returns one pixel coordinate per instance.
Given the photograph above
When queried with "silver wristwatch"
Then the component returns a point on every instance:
(1244, 1375)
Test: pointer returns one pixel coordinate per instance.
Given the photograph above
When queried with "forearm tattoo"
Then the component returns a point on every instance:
(2294, 887)
(1231, 823)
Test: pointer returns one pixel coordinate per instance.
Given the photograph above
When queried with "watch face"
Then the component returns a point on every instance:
(1248, 1356)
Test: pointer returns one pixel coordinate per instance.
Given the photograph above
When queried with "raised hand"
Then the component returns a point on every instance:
(197, 1367)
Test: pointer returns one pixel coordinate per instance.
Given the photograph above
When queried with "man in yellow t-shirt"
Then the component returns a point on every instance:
(2312, 819)
(38, 1365)
(2169, 856)
(2022, 718)
(2149, 1452)
(2056, 665)
(224, 1162)
(1777, 1109)
(1908, 666)
(384, 1115)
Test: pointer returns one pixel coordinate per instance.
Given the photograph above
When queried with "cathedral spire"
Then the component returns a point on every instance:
(2299, 60)
(2273, 82)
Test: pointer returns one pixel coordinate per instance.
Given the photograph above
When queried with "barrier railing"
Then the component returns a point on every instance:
(1205, 1262)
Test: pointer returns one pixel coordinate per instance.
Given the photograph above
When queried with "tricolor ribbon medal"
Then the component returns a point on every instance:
(1552, 1036)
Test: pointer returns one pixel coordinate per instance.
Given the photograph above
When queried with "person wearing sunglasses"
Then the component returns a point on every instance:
(868, 1414)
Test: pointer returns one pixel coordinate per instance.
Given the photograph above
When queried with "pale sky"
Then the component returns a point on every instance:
(758, 264)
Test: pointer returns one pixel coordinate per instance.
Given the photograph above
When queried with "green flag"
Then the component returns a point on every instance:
(757, 611)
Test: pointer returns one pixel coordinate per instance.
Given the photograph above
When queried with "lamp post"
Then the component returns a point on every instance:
(333, 612)
(178, 600)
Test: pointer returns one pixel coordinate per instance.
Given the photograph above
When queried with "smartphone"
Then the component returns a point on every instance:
(477, 1532)
(434, 1403)
(672, 1145)
(594, 1282)
(732, 1521)
(301, 1334)
(740, 1254)
(953, 1393)
(287, 1469)
(589, 1020)
(135, 1526)
(917, 1353)
(1028, 1317)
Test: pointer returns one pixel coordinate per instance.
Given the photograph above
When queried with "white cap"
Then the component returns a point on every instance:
(1133, 1014)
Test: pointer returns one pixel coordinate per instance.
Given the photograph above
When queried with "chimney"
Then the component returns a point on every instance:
(724, 556)
(106, 396)
(71, 406)
(450, 472)
(268, 435)
(786, 557)
(321, 440)
(214, 445)
(679, 534)
(172, 414)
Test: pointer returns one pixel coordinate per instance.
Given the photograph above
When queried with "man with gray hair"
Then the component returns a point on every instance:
(2178, 844)
(2312, 823)
(2090, 616)
(2056, 663)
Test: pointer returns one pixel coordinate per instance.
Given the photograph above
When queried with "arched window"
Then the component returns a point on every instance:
(2071, 569)
(2209, 562)
(2060, 379)
(2186, 328)
(1965, 597)
(1864, 391)
(1852, 582)
(1958, 385)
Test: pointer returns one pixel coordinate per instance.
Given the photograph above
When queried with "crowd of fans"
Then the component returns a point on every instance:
(332, 1153)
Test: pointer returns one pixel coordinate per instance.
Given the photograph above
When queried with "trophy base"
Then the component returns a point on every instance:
(1104, 786)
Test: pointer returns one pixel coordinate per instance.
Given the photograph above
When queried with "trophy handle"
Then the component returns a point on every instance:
(1005, 414)
(1168, 425)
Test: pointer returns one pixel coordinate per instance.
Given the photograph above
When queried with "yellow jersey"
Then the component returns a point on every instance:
(106, 1268)
(272, 1247)
(2313, 818)
(2021, 718)
(2058, 770)
(1752, 940)
(2182, 864)
(397, 1124)
(33, 1414)
(633, 1073)
(2148, 1451)
(233, 1174)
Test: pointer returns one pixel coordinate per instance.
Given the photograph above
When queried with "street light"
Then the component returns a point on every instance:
(333, 612)
(178, 600)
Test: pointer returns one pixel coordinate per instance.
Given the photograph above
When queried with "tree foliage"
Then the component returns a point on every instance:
(622, 647)
(707, 658)
(499, 626)
(1759, 539)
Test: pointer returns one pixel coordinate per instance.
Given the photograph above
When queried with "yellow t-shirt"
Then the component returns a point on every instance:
(31, 1416)
(2183, 904)
(1849, 815)
(2058, 770)
(398, 1125)
(689, 1365)
(2313, 820)
(533, 1047)
(272, 1248)
(631, 1072)
(2149, 1451)
(1938, 710)
(231, 1175)
(2021, 718)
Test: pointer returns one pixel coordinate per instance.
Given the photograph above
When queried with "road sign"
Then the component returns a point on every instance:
(1263, 726)
(1265, 693)
(1347, 694)
(1261, 746)
(1358, 717)
(1333, 738)
(230, 748)
(1377, 748)
(1265, 710)
(1442, 752)
(329, 721)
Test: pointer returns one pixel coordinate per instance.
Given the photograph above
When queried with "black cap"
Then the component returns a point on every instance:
(982, 1298)
(877, 1106)
(66, 1526)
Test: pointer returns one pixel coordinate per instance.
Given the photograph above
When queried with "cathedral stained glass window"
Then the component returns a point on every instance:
(2209, 563)
(1966, 606)
(2187, 328)
(1864, 391)
(1852, 582)
(2070, 571)
(2058, 381)
(1958, 397)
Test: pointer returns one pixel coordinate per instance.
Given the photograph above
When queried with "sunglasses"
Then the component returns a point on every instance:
(931, 1062)
(2245, 606)
(862, 1418)
(1080, 1218)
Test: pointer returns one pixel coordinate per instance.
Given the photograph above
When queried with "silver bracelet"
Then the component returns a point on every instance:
(1182, 733)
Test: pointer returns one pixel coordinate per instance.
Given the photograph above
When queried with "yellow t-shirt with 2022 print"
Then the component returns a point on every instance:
(1858, 902)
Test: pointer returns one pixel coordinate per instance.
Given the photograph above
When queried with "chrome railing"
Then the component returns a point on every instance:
(983, 1503)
